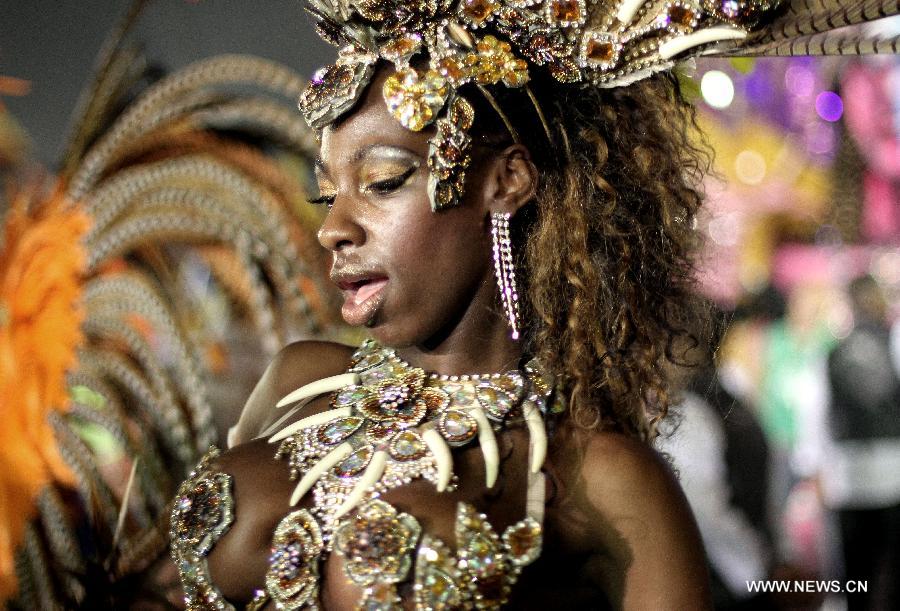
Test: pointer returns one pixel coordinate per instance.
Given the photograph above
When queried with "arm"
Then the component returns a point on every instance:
(652, 554)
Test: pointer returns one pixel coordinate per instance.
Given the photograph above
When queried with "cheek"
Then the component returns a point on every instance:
(445, 247)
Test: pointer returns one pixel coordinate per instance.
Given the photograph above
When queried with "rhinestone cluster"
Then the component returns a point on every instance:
(389, 409)
(484, 568)
(377, 545)
(292, 580)
(202, 513)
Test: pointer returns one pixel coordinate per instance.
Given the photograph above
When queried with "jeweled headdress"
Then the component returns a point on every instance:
(437, 46)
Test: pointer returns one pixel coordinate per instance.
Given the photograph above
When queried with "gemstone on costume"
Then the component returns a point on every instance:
(444, 194)
(678, 16)
(368, 361)
(434, 399)
(482, 553)
(293, 575)
(349, 396)
(450, 153)
(334, 89)
(463, 397)
(566, 12)
(513, 383)
(477, 12)
(355, 463)
(681, 16)
(457, 427)
(523, 541)
(413, 98)
(379, 432)
(496, 403)
(437, 580)
(407, 445)
(401, 48)
(377, 543)
(203, 511)
(339, 430)
(452, 69)
(439, 590)
(461, 114)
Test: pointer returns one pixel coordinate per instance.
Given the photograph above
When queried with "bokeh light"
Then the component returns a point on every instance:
(829, 106)
(750, 167)
(799, 81)
(821, 140)
(717, 89)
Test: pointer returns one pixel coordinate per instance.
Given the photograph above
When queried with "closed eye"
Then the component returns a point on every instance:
(389, 185)
(326, 200)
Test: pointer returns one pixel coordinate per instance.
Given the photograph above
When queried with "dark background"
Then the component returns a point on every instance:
(54, 44)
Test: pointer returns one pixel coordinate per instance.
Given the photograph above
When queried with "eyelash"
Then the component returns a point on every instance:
(328, 200)
(382, 187)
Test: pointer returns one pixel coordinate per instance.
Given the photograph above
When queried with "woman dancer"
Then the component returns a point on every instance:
(511, 188)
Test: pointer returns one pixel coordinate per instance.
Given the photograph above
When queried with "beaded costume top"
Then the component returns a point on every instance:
(389, 423)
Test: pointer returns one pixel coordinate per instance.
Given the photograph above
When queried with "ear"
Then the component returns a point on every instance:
(511, 180)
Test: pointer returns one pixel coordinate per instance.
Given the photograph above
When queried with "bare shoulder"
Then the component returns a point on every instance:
(302, 362)
(618, 468)
(295, 365)
(641, 525)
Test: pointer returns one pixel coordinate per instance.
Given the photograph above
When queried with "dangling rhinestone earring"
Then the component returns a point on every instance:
(505, 270)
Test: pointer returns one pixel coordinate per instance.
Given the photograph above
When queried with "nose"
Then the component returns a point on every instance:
(341, 228)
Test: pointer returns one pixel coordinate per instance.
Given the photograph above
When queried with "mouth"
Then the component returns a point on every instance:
(363, 295)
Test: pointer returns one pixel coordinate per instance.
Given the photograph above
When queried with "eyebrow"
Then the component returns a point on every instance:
(366, 151)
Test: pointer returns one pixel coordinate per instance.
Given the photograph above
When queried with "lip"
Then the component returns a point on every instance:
(363, 291)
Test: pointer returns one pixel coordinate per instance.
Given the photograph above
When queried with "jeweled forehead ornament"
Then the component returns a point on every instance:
(438, 46)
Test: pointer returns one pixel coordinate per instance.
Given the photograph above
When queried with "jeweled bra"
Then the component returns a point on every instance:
(389, 423)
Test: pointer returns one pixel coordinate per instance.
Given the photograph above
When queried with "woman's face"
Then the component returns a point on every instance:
(410, 274)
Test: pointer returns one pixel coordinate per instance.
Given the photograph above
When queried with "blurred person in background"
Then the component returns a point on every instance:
(862, 480)
(792, 409)
(722, 457)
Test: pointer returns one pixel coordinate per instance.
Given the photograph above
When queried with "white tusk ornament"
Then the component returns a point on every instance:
(369, 478)
(319, 387)
(673, 47)
(537, 433)
(318, 470)
(442, 456)
(309, 421)
(488, 442)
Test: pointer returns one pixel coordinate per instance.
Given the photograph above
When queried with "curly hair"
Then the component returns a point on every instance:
(607, 262)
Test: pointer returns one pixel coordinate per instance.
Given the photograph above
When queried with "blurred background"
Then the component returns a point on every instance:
(794, 470)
